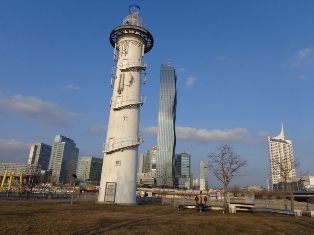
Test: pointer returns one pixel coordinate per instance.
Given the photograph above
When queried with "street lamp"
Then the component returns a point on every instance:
(74, 180)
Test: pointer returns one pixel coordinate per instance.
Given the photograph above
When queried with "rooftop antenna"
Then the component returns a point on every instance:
(169, 62)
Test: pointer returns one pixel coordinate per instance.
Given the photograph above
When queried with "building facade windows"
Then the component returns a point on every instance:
(166, 138)
(183, 171)
(63, 160)
(280, 152)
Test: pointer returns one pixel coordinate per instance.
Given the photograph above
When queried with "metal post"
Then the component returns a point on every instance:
(4, 178)
(174, 196)
(74, 181)
(21, 181)
(307, 202)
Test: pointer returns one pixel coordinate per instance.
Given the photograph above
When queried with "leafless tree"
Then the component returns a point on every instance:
(235, 190)
(34, 179)
(225, 165)
(286, 168)
(262, 194)
(164, 173)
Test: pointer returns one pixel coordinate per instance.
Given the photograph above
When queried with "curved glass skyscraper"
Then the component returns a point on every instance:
(166, 139)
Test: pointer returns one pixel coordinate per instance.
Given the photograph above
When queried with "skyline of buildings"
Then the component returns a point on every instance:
(166, 137)
(228, 64)
(63, 161)
(183, 177)
(148, 170)
(281, 158)
(227, 127)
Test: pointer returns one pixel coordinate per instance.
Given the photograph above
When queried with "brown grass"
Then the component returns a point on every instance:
(92, 218)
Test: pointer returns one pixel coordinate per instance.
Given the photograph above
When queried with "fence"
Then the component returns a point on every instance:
(48, 195)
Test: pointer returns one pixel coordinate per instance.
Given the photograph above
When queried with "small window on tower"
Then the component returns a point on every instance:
(118, 163)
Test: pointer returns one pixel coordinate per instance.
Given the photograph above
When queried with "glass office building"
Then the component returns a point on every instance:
(183, 171)
(149, 161)
(63, 160)
(90, 168)
(166, 139)
(40, 155)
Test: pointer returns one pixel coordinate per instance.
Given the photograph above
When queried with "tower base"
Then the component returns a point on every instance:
(122, 204)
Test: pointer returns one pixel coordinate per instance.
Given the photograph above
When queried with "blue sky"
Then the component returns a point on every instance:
(242, 67)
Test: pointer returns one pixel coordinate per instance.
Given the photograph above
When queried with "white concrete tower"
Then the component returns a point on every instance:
(118, 178)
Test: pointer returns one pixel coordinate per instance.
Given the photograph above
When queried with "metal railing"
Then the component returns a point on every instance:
(128, 101)
(123, 143)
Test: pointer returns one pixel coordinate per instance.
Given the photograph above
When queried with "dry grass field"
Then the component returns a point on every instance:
(91, 218)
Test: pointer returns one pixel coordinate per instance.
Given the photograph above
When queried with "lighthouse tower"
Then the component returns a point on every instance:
(118, 178)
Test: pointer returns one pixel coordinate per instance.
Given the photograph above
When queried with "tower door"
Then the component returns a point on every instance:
(110, 192)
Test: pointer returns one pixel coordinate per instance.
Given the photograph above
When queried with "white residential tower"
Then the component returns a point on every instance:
(280, 152)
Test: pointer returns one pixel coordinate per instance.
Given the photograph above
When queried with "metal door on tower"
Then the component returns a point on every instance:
(110, 192)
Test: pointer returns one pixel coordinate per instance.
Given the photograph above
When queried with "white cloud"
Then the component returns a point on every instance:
(181, 70)
(221, 58)
(96, 130)
(304, 57)
(206, 136)
(203, 135)
(38, 109)
(305, 53)
(151, 130)
(71, 87)
(190, 82)
(301, 77)
(263, 134)
(14, 151)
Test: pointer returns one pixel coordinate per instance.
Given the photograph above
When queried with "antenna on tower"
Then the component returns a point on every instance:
(169, 62)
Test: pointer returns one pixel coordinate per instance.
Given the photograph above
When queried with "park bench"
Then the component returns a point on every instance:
(247, 205)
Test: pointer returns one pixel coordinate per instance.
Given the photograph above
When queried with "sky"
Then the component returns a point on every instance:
(242, 67)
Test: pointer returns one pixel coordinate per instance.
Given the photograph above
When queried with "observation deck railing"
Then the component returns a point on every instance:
(128, 101)
(123, 143)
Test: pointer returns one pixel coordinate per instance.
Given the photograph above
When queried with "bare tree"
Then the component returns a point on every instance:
(164, 173)
(225, 165)
(286, 168)
(261, 194)
(235, 190)
(34, 178)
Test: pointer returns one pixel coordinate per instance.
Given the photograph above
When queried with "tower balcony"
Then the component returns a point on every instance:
(132, 30)
(128, 64)
(122, 102)
(121, 144)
